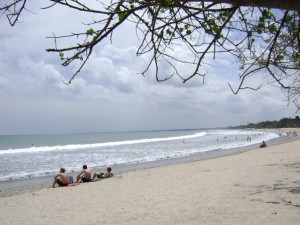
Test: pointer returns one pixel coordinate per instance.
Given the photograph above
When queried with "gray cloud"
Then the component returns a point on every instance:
(110, 94)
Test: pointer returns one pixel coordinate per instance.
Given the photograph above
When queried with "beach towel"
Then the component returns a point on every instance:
(70, 185)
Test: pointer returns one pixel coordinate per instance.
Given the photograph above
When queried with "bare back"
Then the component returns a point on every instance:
(87, 174)
(64, 178)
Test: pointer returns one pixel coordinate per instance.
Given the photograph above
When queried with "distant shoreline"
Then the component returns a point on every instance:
(8, 188)
(260, 186)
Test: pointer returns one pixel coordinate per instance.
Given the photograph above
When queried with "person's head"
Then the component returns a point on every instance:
(62, 170)
(108, 169)
(84, 167)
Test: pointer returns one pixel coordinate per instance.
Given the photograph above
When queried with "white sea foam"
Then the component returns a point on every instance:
(96, 145)
(40, 161)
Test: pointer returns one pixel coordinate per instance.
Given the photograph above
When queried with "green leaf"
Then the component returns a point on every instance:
(161, 34)
(90, 31)
(61, 55)
(259, 31)
(280, 57)
(122, 15)
(273, 28)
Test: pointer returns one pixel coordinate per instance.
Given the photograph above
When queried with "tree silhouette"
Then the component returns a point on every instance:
(262, 35)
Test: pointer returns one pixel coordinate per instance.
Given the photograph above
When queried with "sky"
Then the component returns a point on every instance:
(109, 94)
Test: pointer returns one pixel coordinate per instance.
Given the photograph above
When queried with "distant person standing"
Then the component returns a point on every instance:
(85, 175)
(61, 178)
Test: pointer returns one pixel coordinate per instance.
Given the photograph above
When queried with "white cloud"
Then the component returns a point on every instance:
(109, 93)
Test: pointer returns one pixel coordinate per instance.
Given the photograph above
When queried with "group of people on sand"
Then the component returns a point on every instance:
(62, 179)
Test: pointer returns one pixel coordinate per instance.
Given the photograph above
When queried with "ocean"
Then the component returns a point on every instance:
(29, 156)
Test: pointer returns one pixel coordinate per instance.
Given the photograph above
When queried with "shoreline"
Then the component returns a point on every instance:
(261, 186)
(20, 186)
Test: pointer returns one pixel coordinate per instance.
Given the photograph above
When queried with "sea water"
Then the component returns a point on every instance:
(25, 156)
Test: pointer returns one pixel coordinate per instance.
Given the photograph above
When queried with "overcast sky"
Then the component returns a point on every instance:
(109, 94)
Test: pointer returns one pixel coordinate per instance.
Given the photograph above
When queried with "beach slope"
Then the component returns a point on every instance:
(260, 186)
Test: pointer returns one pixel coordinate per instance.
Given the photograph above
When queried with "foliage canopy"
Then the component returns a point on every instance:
(282, 123)
(263, 36)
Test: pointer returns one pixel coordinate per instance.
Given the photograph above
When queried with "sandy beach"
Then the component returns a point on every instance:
(261, 186)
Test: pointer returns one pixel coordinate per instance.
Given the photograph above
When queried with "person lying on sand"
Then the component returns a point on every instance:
(103, 175)
(85, 175)
(61, 178)
(263, 145)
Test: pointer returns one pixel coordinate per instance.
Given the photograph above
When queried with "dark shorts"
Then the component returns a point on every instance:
(60, 183)
(101, 175)
(83, 179)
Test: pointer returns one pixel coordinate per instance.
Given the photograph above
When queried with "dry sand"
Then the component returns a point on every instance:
(261, 186)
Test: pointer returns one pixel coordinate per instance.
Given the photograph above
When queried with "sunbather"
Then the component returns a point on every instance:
(263, 145)
(103, 175)
(61, 178)
(85, 175)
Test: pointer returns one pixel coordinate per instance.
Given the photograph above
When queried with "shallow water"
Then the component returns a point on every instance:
(41, 155)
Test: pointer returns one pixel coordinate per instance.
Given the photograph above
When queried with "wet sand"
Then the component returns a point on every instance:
(13, 187)
(261, 186)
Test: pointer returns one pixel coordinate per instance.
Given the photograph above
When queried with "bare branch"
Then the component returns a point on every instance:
(246, 30)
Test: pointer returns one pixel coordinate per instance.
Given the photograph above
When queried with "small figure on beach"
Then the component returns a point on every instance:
(103, 175)
(85, 175)
(263, 145)
(61, 178)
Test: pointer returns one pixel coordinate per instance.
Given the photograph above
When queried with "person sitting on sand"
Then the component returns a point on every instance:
(61, 178)
(263, 145)
(85, 175)
(103, 175)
